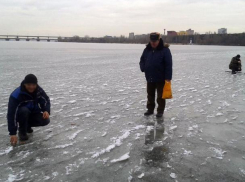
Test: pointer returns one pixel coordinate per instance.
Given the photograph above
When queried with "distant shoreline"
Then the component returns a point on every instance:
(124, 43)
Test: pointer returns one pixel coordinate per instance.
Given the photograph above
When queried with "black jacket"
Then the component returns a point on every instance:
(157, 63)
(235, 63)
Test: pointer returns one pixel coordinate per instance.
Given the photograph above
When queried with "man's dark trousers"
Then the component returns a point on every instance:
(27, 119)
(234, 69)
(151, 92)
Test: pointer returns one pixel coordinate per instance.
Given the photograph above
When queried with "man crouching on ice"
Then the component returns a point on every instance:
(29, 106)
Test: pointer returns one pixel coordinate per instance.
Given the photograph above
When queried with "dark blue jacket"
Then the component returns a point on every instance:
(157, 63)
(36, 102)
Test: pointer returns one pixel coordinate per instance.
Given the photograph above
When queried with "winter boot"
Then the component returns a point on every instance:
(23, 136)
(148, 113)
(159, 115)
(29, 130)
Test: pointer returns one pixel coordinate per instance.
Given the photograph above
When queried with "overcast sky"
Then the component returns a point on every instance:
(119, 17)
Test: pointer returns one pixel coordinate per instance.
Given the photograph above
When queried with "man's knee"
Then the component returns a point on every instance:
(23, 111)
(45, 122)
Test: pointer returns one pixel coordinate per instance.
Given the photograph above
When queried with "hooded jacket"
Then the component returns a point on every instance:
(157, 63)
(36, 102)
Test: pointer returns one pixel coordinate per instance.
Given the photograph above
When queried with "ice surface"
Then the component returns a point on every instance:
(98, 97)
(173, 175)
(122, 158)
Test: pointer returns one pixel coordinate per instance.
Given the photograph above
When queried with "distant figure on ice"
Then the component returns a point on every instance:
(29, 106)
(235, 64)
(156, 63)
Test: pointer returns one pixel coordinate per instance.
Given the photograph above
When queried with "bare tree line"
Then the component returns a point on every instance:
(200, 39)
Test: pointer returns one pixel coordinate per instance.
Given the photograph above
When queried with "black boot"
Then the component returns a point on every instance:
(159, 115)
(23, 136)
(29, 130)
(148, 113)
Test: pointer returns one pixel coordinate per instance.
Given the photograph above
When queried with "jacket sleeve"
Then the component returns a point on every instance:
(45, 102)
(12, 107)
(168, 65)
(142, 62)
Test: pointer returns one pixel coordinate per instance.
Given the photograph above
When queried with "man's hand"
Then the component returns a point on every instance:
(13, 140)
(45, 115)
(168, 80)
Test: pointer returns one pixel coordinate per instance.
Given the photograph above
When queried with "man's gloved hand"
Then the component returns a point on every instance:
(13, 140)
(45, 115)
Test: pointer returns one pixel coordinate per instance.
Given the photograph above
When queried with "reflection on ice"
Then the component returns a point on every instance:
(156, 148)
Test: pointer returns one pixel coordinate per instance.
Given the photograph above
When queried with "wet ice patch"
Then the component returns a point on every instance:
(168, 166)
(130, 178)
(149, 129)
(172, 119)
(137, 136)
(11, 178)
(73, 136)
(1, 125)
(186, 152)
(62, 146)
(242, 171)
(173, 175)
(45, 178)
(225, 104)
(190, 128)
(87, 114)
(138, 127)
(209, 102)
(122, 158)
(57, 111)
(6, 151)
(115, 117)
(219, 114)
(15, 177)
(172, 127)
(117, 141)
(141, 175)
(218, 153)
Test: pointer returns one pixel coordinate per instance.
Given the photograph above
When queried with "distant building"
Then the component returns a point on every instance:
(190, 32)
(182, 33)
(131, 35)
(171, 33)
(142, 36)
(222, 31)
(108, 37)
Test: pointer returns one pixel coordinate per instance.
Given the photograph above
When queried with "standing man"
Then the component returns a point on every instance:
(29, 106)
(235, 64)
(156, 63)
